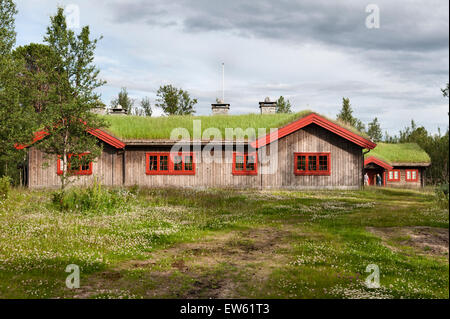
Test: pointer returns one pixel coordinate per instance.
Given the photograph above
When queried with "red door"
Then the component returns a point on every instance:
(372, 177)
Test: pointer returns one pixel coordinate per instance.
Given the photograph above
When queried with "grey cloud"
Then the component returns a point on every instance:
(412, 25)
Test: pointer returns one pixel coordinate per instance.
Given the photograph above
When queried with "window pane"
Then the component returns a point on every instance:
(395, 175)
(153, 163)
(323, 163)
(301, 163)
(188, 163)
(239, 163)
(408, 174)
(177, 164)
(391, 176)
(414, 174)
(312, 165)
(250, 163)
(163, 163)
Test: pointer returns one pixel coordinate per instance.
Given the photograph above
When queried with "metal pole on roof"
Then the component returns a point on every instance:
(223, 82)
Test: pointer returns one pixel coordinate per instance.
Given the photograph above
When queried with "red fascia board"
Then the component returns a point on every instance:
(316, 119)
(377, 161)
(105, 137)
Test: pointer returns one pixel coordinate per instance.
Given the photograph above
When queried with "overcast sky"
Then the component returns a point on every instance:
(313, 52)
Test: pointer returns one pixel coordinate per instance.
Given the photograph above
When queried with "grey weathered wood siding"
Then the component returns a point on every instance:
(346, 161)
(107, 168)
(403, 183)
(345, 157)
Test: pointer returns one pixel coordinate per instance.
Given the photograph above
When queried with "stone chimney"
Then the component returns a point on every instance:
(118, 110)
(268, 107)
(220, 108)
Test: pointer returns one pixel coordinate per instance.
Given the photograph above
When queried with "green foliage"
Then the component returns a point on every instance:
(174, 101)
(346, 116)
(283, 106)
(442, 196)
(146, 106)
(123, 100)
(7, 31)
(94, 199)
(374, 130)
(5, 187)
(69, 115)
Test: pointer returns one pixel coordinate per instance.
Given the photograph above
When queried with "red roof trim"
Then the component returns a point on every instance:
(377, 161)
(101, 135)
(319, 120)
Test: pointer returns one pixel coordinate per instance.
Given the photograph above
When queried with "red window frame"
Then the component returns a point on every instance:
(308, 160)
(393, 179)
(245, 169)
(80, 171)
(174, 167)
(411, 179)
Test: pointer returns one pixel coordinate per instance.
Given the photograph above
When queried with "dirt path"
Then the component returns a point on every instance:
(422, 240)
(216, 267)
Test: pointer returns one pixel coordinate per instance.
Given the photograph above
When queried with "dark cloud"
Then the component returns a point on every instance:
(405, 25)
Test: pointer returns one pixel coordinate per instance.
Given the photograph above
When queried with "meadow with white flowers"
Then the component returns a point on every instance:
(180, 243)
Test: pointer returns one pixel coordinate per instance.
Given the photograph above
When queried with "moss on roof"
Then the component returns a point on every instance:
(150, 128)
(399, 153)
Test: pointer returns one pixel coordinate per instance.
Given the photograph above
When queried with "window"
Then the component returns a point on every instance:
(412, 175)
(76, 166)
(394, 175)
(312, 164)
(166, 163)
(245, 163)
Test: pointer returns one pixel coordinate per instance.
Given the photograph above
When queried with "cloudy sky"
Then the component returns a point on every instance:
(314, 52)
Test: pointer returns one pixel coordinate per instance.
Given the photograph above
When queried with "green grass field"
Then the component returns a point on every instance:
(172, 243)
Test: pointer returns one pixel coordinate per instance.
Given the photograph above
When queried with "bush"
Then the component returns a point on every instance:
(442, 195)
(93, 199)
(5, 187)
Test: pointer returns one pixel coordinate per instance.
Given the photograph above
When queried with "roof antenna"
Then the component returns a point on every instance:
(223, 82)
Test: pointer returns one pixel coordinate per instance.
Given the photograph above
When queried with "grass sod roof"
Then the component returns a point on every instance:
(399, 153)
(160, 128)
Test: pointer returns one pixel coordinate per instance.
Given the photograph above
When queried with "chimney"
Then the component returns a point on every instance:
(118, 110)
(268, 107)
(220, 108)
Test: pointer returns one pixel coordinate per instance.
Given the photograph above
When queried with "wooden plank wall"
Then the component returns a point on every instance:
(345, 157)
(346, 167)
(403, 183)
(103, 169)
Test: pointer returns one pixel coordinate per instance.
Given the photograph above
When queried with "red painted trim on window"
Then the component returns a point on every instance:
(319, 120)
(170, 163)
(101, 135)
(59, 171)
(411, 179)
(309, 172)
(393, 179)
(244, 170)
(372, 159)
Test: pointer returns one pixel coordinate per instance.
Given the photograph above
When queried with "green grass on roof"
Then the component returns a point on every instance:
(399, 153)
(141, 128)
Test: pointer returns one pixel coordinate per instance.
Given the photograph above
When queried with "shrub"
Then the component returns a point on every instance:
(93, 199)
(442, 195)
(5, 187)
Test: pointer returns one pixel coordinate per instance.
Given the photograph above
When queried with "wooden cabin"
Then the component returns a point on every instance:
(294, 151)
(399, 165)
